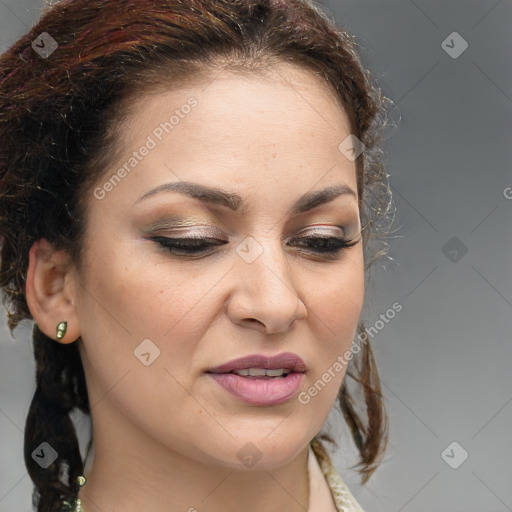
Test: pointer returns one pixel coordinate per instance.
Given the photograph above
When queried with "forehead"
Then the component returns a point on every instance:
(239, 95)
(281, 129)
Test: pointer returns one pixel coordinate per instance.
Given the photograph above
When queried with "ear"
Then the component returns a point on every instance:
(50, 290)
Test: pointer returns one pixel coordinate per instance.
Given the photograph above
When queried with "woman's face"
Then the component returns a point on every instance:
(155, 320)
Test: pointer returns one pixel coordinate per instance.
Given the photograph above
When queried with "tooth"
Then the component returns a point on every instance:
(257, 372)
(261, 372)
(275, 373)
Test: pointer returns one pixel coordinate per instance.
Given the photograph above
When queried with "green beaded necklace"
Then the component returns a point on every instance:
(75, 505)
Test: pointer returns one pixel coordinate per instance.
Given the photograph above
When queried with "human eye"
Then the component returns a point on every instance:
(187, 245)
(329, 247)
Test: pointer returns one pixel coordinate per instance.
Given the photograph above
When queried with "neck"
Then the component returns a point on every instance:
(131, 472)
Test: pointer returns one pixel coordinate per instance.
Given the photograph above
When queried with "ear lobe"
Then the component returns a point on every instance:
(50, 290)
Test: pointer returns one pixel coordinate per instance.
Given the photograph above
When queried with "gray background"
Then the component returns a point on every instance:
(445, 358)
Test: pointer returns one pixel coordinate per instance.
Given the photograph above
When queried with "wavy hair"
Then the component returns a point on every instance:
(61, 120)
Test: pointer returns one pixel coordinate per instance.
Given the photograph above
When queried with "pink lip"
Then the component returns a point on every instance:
(261, 390)
(286, 360)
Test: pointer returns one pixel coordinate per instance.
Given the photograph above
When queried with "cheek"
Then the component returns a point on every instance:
(127, 309)
(157, 302)
(131, 295)
(334, 305)
(336, 300)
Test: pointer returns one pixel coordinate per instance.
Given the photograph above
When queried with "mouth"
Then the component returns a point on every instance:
(261, 380)
(263, 366)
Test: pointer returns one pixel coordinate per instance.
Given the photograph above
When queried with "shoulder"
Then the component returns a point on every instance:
(343, 498)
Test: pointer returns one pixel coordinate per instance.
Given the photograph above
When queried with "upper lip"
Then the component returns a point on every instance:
(285, 360)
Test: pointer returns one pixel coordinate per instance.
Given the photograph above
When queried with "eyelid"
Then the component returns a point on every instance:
(193, 227)
(204, 233)
(207, 232)
(196, 232)
(321, 227)
(318, 230)
(175, 223)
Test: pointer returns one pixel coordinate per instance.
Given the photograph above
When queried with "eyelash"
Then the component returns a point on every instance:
(190, 246)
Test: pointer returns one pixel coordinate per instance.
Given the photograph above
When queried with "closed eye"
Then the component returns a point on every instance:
(329, 246)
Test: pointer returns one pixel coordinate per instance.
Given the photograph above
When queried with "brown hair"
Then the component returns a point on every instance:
(60, 124)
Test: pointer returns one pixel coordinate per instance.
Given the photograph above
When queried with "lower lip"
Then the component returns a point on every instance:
(260, 391)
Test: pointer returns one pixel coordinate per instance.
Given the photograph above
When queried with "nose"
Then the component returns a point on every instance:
(266, 292)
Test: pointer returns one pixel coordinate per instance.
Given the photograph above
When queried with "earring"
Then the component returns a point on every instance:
(61, 329)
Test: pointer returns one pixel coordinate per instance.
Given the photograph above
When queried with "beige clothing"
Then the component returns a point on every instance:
(327, 491)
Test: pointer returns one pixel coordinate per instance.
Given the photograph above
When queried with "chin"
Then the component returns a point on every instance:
(256, 450)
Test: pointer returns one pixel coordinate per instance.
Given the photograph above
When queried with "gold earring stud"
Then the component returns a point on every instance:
(61, 329)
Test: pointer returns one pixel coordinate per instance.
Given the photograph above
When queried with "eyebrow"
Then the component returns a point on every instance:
(234, 201)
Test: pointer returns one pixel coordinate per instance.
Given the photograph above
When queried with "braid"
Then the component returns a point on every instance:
(60, 388)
